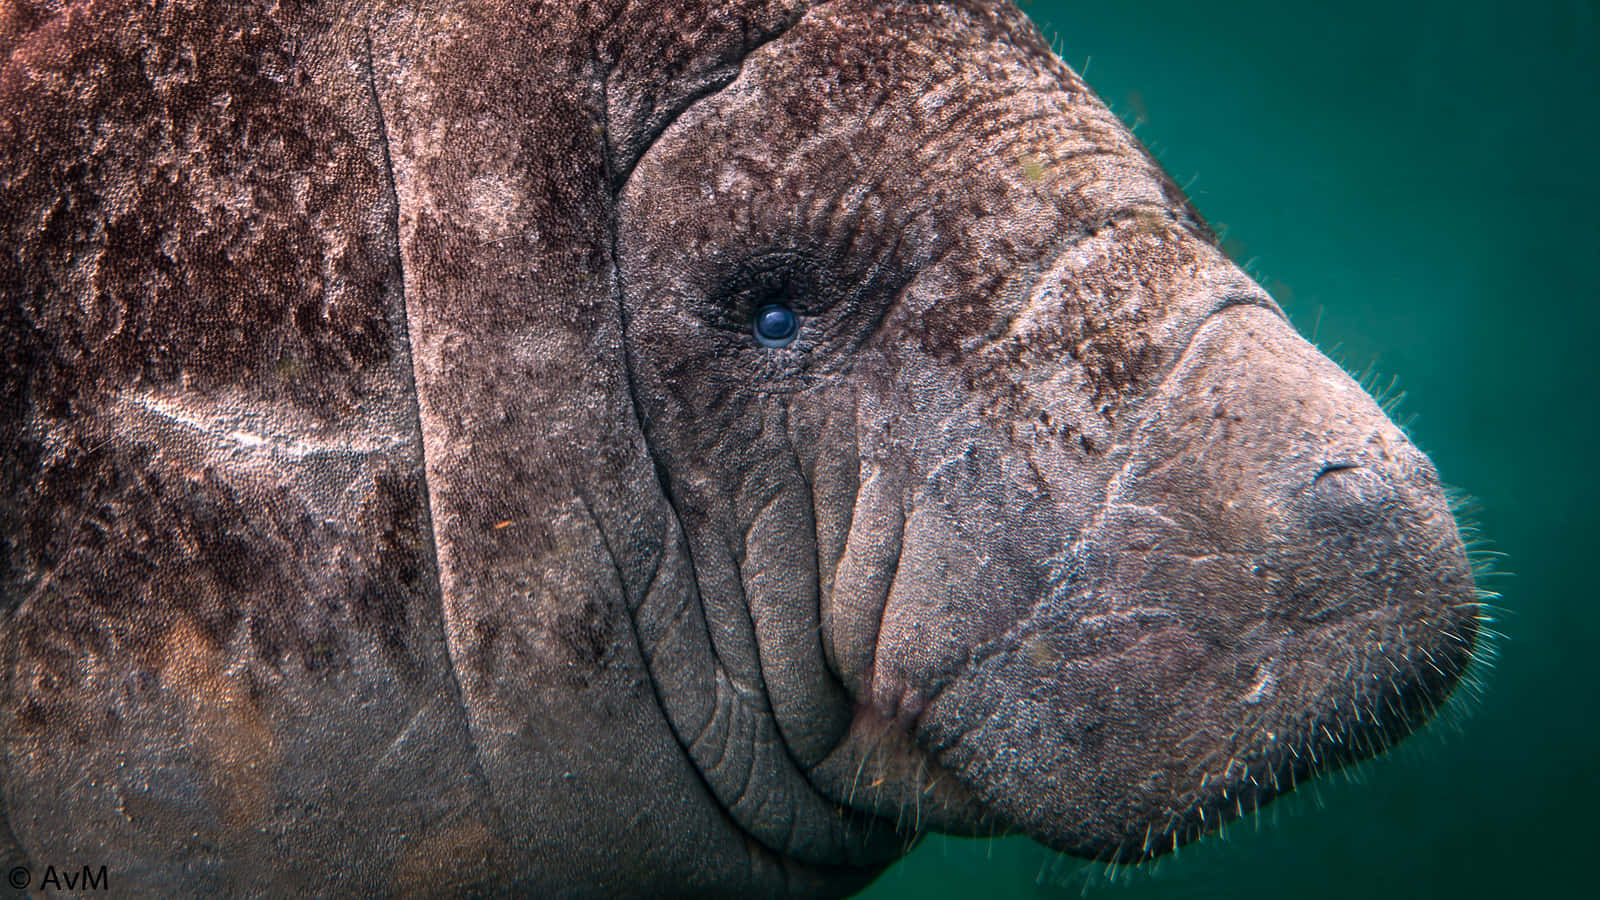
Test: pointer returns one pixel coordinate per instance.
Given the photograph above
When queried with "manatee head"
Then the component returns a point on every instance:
(1009, 501)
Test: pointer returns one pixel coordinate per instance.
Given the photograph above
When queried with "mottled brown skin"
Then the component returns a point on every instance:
(397, 502)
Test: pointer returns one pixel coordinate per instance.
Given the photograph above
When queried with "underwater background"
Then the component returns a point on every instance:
(1416, 184)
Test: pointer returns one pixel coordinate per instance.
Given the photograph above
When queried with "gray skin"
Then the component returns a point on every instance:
(397, 501)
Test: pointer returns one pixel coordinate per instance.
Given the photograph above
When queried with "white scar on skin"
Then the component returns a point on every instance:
(328, 469)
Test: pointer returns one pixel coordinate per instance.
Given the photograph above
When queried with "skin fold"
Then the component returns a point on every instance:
(397, 500)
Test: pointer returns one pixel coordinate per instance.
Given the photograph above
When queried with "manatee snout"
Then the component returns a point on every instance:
(1274, 586)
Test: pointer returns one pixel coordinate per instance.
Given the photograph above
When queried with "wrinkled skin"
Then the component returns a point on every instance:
(397, 501)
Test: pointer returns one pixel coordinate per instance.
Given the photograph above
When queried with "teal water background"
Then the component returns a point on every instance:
(1417, 184)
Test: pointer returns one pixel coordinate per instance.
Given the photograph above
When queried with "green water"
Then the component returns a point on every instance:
(1415, 182)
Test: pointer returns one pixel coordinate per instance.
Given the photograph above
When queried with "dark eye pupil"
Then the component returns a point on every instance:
(776, 325)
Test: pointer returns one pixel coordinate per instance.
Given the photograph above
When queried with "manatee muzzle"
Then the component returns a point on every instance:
(1273, 587)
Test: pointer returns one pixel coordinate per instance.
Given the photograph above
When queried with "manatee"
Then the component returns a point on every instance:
(653, 448)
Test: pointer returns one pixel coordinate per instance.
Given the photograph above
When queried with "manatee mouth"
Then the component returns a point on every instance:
(1276, 588)
(1135, 735)
(1277, 751)
(1342, 727)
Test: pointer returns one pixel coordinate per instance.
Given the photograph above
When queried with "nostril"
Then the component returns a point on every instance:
(1347, 495)
(1333, 467)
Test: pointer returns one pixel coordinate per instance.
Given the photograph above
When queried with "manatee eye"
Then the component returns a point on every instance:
(776, 325)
